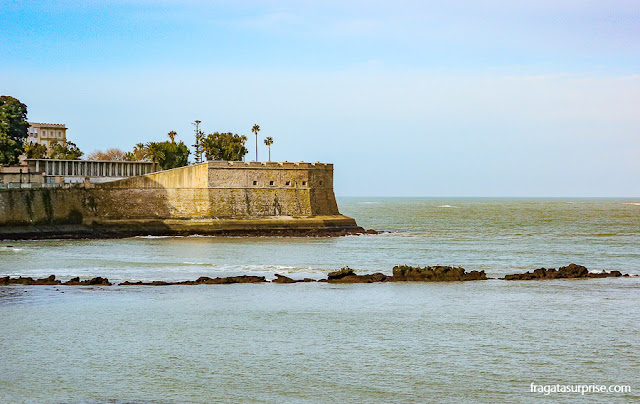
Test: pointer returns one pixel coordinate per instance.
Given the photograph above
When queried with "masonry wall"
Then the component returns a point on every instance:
(211, 190)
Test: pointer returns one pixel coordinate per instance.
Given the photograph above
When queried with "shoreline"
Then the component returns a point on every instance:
(76, 232)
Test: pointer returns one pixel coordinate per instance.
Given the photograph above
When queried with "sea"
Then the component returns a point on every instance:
(455, 342)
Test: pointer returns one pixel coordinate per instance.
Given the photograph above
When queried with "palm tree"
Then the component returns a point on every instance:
(256, 129)
(172, 136)
(269, 141)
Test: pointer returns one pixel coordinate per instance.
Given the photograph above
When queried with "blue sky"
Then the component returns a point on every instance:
(410, 98)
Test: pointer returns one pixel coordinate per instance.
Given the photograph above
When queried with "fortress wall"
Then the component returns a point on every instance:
(194, 176)
(25, 207)
(209, 191)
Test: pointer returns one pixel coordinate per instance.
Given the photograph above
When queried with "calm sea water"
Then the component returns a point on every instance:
(454, 342)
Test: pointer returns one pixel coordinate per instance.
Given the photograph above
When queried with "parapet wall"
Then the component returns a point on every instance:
(215, 192)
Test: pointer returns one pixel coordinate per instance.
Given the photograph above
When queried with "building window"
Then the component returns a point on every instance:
(288, 183)
(270, 182)
(321, 183)
(304, 183)
(255, 182)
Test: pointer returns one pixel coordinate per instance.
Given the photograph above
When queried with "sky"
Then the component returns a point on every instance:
(406, 98)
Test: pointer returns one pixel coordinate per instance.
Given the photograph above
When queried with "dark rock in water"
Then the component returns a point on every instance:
(308, 280)
(346, 275)
(404, 273)
(231, 279)
(153, 283)
(282, 279)
(98, 281)
(369, 278)
(51, 280)
(371, 231)
(571, 271)
(345, 271)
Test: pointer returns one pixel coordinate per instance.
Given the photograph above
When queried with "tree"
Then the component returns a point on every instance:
(139, 153)
(65, 151)
(10, 150)
(166, 154)
(173, 154)
(198, 146)
(256, 129)
(13, 129)
(224, 146)
(111, 154)
(172, 136)
(269, 141)
(35, 151)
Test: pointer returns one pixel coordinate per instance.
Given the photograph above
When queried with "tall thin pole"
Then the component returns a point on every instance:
(256, 145)
(197, 145)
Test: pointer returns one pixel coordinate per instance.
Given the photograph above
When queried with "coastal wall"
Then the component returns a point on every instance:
(209, 197)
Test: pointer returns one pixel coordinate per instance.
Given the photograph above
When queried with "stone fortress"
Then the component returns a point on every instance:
(216, 197)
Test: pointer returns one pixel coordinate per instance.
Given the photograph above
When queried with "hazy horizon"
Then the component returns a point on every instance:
(410, 99)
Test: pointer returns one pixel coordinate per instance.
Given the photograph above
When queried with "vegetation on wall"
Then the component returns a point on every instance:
(224, 146)
(13, 129)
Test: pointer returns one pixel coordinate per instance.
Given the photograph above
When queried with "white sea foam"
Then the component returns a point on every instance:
(632, 203)
(447, 206)
(152, 237)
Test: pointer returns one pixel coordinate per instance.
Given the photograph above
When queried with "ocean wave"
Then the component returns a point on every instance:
(153, 237)
(632, 203)
(447, 206)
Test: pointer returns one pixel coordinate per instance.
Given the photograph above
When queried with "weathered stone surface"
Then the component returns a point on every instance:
(341, 273)
(403, 273)
(282, 279)
(98, 281)
(571, 271)
(368, 278)
(51, 280)
(233, 198)
(346, 275)
(231, 279)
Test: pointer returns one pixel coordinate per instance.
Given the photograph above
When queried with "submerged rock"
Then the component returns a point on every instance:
(404, 273)
(571, 271)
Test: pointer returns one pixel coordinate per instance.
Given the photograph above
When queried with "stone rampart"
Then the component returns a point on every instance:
(206, 198)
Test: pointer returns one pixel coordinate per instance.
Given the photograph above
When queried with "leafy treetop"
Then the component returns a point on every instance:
(224, 146)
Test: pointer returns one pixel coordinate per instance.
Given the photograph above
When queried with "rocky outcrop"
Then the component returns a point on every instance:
(571, 271)
(346, 275)
(203, 280)
(282, 279)
(98, 281)
(51, 280)
(404, 273)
